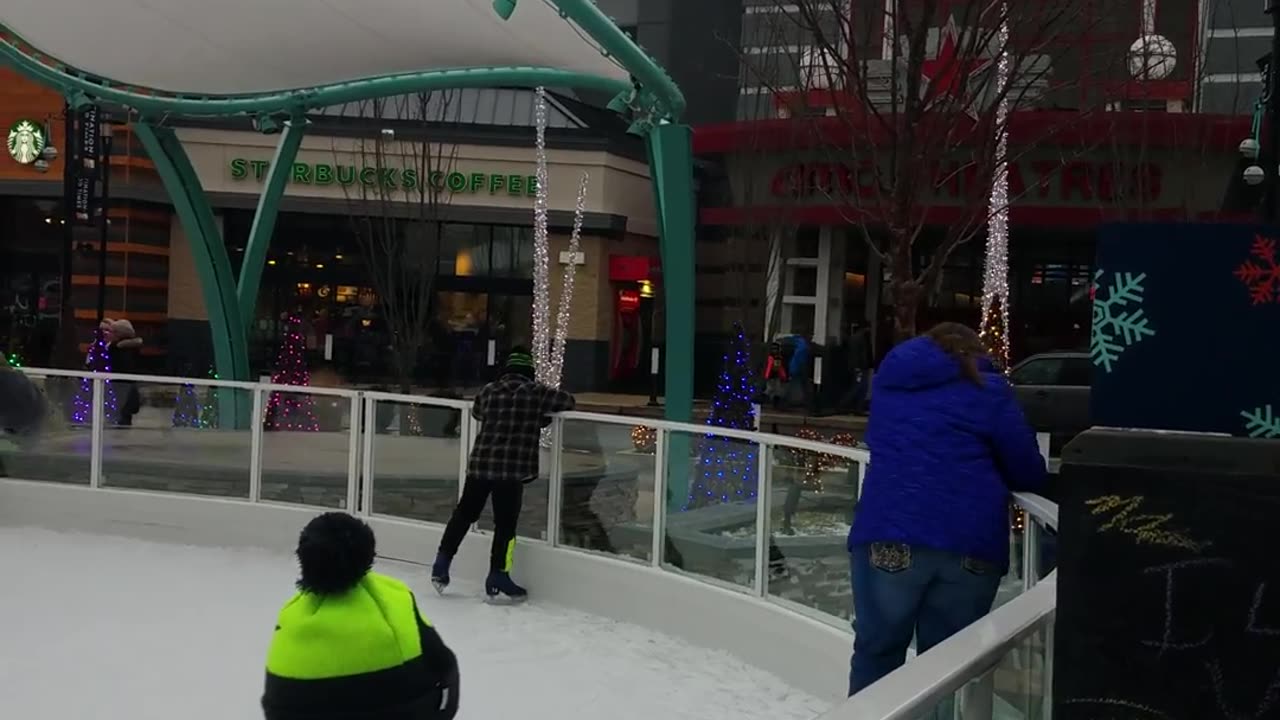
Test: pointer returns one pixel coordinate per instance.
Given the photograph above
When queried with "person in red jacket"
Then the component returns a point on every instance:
(775, 375)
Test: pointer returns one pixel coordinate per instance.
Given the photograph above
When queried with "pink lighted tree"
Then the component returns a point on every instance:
(292, 411)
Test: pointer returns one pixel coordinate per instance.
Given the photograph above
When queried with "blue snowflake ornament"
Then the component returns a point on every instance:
(1118, 318)
(1262, 423)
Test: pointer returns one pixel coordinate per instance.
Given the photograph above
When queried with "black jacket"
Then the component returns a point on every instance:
(22, 404)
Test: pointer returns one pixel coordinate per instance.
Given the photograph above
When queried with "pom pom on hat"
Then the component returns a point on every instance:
(335, 552)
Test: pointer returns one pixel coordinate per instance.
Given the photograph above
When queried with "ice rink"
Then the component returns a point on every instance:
(117, 629)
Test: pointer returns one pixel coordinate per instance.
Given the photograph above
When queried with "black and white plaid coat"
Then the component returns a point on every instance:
(512, 410)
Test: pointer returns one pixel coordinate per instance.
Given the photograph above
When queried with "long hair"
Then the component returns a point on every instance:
(962, 343)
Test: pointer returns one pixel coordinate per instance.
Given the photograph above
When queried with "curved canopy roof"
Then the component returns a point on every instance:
(265, 49)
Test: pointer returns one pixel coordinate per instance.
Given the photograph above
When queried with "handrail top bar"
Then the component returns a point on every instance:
(1041, 508)
(917, 686)
(754, 436)
(416, 399)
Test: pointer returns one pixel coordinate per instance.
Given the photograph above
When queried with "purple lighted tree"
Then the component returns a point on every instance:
(292, 411)
(98, 360)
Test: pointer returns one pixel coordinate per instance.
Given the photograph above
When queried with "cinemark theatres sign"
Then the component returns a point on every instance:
(1038, 180)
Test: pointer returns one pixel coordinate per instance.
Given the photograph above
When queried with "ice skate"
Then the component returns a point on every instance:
(440, 573)
(499, 588)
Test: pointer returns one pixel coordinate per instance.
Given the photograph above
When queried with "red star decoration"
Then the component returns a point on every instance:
(948, 73)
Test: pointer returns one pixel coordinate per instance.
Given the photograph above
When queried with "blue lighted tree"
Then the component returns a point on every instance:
(727, 467)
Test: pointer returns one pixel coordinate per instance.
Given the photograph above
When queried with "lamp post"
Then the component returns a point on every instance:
(104, 167)
(1271, 201)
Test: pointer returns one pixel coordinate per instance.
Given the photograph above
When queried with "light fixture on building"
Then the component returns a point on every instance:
(1254, 175)
(271, 262)
(50, 153)
(646, 289)
(338, 257)
(41, 165)
(1249, 148)
(388, 134)
(319, 266)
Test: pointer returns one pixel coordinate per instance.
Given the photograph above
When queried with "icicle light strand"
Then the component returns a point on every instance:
(541, 261)
(566, 290)
(995, 284)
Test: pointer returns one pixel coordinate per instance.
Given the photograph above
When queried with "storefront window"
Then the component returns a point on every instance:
(512, 251)
(464, 250)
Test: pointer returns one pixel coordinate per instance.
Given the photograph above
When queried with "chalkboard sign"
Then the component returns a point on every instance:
(1169, 578)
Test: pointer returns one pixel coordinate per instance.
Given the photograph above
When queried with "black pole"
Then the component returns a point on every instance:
(104, 166)
(655, 354)
(66, 317)
(1271, 154)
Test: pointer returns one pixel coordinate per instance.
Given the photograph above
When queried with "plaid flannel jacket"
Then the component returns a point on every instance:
(512, 411)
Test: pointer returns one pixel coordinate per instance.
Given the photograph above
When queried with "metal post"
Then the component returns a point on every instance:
(353, 457)
(104, 165)
(655, 363)
(255, 444)
(659, 496)
(1271, 150)
(367, 466)
(66, 344)
(555, 484)
(1030, 550)
(764, 491)
(97, 419)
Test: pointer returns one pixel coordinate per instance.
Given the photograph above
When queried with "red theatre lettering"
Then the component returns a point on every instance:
(1076, 182)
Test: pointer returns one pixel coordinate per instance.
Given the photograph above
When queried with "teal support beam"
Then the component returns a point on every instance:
(671, 167)
(230, 351)
(264, 220)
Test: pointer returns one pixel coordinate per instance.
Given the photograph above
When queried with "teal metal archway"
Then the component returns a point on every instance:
(651, 100)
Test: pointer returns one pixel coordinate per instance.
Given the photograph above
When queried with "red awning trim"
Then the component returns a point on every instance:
(1077, 218)
(1153, 130)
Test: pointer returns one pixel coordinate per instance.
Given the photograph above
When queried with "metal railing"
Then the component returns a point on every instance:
(369, 460)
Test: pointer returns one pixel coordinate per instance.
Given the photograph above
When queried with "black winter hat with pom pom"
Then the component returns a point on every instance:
(335, 552)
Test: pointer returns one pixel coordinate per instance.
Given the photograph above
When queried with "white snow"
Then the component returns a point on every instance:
(117, 629)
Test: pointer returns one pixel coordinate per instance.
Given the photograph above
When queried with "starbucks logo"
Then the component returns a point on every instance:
(26, 141)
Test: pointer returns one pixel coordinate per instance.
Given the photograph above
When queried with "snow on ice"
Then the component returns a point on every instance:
(117, 629)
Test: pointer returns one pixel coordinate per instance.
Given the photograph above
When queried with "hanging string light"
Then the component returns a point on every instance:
(566, 289)
(541, 261)
(995, 282)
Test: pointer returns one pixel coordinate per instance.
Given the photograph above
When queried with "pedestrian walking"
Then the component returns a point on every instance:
(512, 411)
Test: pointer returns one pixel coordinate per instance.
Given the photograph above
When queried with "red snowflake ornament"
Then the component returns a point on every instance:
(1261, 272)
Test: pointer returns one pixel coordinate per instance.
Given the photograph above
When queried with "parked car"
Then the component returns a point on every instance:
(1053, 389)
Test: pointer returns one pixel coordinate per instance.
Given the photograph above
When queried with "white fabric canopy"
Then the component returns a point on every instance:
(256, 46)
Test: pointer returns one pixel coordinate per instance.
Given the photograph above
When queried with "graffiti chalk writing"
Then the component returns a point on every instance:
(1144, 528)
(1219, 682)
(1255, 609)
(1116, 709)
(1167, 641)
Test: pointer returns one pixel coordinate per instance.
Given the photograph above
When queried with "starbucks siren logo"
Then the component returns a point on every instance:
(26, 141)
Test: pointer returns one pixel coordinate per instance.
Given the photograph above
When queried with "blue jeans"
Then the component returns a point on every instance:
(900, 591)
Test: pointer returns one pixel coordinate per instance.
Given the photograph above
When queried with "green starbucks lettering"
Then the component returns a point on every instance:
(323, 174)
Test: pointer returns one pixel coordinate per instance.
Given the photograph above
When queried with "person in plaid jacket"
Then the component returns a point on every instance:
(512, 411)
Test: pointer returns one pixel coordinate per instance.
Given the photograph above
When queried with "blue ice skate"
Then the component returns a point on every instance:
(499, 587)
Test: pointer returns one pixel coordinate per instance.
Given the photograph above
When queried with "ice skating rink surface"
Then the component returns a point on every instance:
(117, 629)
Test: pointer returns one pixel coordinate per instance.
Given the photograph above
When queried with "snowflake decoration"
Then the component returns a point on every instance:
(1262, 423)
(1261, 273)
(1118, 319)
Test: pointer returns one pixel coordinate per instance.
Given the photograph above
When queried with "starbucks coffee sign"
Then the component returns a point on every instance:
(26, 141)
(389, 177)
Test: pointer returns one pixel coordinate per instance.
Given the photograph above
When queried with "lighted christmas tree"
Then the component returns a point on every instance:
(98, 360)
(196, 408)
(292, 411)
(727, 467)
(995, 336)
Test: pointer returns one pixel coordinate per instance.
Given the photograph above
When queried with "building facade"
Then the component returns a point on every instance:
(476, 242)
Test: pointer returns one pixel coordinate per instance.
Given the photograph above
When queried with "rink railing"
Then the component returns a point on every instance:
(967, 672)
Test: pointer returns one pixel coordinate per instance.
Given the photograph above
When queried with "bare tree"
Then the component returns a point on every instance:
(397, 202)
(900, 102)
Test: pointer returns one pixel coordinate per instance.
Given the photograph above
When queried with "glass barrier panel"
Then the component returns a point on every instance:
(416, 460)
(1016, 689)
(812, 506)
(711, 485)
(607, 500)
(179, 438)
(58, 449)
(533, 509)
(306, 447)
(1043, 543)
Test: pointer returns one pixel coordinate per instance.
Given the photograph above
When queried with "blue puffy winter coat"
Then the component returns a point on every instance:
(945, 452)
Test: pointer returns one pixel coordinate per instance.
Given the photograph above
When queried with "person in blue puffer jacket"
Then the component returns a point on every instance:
(930, 539)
